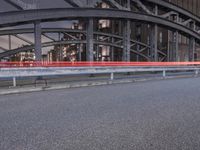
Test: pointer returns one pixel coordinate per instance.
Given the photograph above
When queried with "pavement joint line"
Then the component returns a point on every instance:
(82, 85)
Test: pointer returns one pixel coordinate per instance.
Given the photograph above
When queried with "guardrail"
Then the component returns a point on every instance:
(40, 69)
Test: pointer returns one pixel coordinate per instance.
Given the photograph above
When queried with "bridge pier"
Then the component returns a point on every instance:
(38, 39)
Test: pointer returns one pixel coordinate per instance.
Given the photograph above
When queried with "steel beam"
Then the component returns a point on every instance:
(128, 4)
(175, 8)
(30, 47)
(3, 49)
(166, 15)
(23, 39)
(192, 47)
(192, 44)
(112, 51)
(79, 52)
(6, 19)
(140, 4)
(154, 42)
(9, 42)
(72, 3)
(19, 4)
(14, 4)
(175, 46)
(116, 4)
(38, 41)
(126, 40)
(47, 36)
(90, 40)
(154, 38)
(90, 3)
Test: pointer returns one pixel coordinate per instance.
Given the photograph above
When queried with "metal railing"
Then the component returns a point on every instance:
(15, 70)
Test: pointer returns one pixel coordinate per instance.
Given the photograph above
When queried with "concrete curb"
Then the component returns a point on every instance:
(79, 85)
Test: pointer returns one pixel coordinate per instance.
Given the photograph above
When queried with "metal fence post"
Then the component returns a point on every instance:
(112, 76)
(196, 72)
(14, 82)
(164, 73)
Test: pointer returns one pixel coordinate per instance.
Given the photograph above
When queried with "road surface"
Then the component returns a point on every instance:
(154, 115)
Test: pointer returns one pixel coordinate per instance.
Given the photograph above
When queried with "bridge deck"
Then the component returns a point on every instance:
(149, 115)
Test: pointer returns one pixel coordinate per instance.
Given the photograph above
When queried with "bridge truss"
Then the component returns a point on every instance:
(154, 13)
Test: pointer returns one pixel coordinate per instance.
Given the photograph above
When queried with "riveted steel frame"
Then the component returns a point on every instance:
(172, 18)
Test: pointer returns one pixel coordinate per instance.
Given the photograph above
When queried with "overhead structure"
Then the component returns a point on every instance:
(155, 14)
(21, 5)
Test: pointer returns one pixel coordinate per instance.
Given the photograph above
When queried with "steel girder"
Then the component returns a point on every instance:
(63, 30)
(175, 8)
(182, 24)
(53, 43)
(99, 37)
(25, 17)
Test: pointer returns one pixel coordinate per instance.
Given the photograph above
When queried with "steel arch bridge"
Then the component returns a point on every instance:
(155, 13)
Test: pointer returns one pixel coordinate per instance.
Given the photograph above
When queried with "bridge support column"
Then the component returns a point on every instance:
(38, 39)
(126, 40)
(112, 40)
(175, 41)
(9, 42)
(112, 51)
(175, 46)
(192, 44)
(154, 42)
(90, 41)
(79, 52)
(154, 38)
(191, 48)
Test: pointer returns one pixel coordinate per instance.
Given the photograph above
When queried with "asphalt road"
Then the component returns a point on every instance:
(155, 115)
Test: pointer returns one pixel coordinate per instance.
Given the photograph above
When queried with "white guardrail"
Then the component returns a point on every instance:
(15, 73)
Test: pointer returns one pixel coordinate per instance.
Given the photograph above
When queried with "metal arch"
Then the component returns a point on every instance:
(175, 8)
(52, 30)
(16, 18)
(53, 43)
(118, 39)
(31, 47)
(171, 19)
(57, 30)
(119, 46)
(44, 30)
